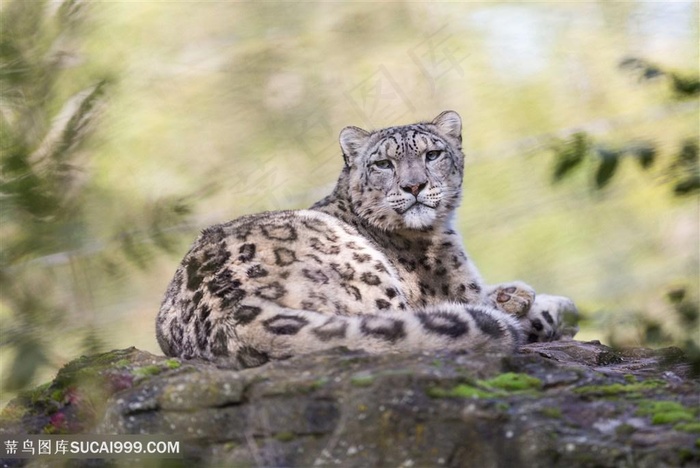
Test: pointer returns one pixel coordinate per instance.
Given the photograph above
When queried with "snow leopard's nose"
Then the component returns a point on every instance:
(414, 189)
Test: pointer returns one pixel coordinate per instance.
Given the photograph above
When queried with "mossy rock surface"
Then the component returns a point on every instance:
(554, 404)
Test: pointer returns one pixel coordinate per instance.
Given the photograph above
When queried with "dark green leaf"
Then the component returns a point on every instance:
(646, 155)
(687, 186)
(607, 168)
(676, 295)
(653, 333)
(569, 155)
(686, 168)
(688, 155)
(685, 86)
(689, 313)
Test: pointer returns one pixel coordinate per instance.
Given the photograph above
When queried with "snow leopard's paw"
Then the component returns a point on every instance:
(550, 318)
(515, 298)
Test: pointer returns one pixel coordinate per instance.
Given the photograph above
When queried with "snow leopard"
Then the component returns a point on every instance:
(376, 266)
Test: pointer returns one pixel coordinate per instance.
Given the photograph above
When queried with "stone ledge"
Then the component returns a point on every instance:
(565, 403)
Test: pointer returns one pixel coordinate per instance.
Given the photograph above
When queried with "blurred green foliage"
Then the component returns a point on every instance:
(683, 170)
(127, 126)
(51, 258)
(681, 173)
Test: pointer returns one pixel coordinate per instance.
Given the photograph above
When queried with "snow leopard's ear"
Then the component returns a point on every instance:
(351, 140)
(450, 124)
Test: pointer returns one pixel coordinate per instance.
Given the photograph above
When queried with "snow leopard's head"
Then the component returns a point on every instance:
(406, 177)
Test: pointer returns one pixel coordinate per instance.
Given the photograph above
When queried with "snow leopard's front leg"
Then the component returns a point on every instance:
(542, 317)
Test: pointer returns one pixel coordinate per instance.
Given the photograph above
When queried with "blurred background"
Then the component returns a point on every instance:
(127, 127)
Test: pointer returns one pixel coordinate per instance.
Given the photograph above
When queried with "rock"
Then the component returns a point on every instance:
(565, 403)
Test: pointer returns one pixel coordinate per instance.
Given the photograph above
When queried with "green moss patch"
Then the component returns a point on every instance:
(652, 407)
(155, 369)
(38, 393)
(672, 417)
(551, 412)
(619, 389)
(460, 391)
(147, 371)
(499, 386)
(362, 380)
(693, 427)
(172, 364)
(319, 383)
(666, 412)
(512, 382)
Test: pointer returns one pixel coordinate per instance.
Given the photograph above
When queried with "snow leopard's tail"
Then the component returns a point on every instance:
(265, 331)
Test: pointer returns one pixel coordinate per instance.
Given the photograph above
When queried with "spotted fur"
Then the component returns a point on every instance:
(376, 265)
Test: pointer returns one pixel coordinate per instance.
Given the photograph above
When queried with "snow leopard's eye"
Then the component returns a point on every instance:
(383, 164)
(433, 155)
